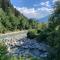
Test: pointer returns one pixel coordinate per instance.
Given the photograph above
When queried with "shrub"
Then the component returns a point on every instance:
(3, 51)
(42, 35)
(32, 34)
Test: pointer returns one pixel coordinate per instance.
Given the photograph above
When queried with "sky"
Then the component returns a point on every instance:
(37, 9)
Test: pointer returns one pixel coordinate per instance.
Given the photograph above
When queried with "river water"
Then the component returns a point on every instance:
(19, 44)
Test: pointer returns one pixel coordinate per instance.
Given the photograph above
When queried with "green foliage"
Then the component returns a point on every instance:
(11, 19)
(53, 38)
(33, 23)
(42, 26)
(42, 36)
(40, 32)
(32, 34)
(54, 19)
(25, 58)
(3, 51)
(54, 42)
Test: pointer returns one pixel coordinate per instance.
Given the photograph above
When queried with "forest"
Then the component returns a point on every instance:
(11, 20)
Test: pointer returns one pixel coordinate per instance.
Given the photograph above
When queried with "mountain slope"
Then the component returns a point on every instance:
(11, 19)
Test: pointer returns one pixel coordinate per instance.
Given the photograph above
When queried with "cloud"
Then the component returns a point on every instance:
(47, 4)
(45, 9)
(34, 13)
(55, 0)
(28, 12)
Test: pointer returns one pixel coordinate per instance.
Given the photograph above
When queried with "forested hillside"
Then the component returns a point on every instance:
(11, 19)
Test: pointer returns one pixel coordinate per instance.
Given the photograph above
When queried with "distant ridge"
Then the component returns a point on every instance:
(45, 19)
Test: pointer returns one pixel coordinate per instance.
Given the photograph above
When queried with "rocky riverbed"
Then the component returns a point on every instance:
(28, 47)
(19, 44)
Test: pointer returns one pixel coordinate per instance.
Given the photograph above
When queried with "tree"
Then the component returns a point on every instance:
(54, 35)
(55, 17)
(11, 19)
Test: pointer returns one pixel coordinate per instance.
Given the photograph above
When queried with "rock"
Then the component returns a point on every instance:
(20, 45)
(29, 47)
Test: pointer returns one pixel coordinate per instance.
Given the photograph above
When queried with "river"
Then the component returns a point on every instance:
(19, 44)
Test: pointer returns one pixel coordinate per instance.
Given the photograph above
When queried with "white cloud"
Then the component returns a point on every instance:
(47, 4)
(34, 13)
(45, 9)
(28, 12)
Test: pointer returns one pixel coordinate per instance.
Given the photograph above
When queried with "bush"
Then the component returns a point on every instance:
(42, 35)
(32, 34)
(3, 51)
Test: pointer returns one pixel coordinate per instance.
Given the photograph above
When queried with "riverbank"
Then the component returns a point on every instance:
(13, 35)
(14, 32)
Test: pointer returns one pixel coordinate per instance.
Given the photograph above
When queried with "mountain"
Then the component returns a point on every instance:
(44, 19)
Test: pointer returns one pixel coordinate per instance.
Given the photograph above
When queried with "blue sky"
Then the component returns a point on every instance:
(34, 8)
